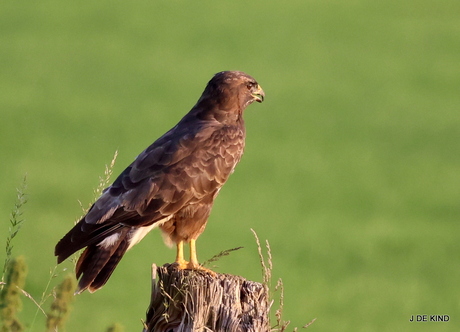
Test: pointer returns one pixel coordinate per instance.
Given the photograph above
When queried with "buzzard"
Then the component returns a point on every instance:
(171, 185)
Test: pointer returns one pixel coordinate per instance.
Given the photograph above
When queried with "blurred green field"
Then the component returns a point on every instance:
(352, 165)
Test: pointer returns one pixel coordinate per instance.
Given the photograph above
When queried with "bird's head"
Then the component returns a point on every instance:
(233, 90)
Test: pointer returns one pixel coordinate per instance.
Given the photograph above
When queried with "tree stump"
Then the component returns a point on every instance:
(184, 301)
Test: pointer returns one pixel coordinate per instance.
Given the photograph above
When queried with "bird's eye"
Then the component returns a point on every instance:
(250, 85)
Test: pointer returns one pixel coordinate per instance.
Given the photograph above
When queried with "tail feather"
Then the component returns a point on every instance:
(109, 267)
(77, 239)
(97, 263)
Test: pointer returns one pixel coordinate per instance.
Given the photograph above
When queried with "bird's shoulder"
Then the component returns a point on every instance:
(189, 144)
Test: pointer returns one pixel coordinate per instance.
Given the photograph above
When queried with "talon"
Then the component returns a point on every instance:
(182, 264)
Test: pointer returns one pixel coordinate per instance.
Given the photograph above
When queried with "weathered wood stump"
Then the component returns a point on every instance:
(184, 300)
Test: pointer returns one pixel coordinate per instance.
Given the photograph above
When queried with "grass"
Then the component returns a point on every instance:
(16, 222)
(351, 168)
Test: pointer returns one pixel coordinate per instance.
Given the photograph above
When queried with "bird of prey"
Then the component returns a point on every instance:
(171, 185)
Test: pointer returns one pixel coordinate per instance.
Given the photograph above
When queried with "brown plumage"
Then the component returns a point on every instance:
(171, 185)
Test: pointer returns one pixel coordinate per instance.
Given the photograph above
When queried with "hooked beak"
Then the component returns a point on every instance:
(258, 94)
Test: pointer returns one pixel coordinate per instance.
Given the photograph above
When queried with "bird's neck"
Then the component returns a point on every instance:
(212, 110)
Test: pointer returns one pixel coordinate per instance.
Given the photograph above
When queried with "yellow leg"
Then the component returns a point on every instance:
(193, 259)
(183, 264)
(193, 264)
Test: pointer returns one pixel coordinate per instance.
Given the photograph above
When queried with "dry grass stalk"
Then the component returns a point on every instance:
(220, 255)
(267, 267)
(105, 180)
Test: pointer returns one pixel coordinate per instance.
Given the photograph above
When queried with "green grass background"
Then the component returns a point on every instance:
(352, 165)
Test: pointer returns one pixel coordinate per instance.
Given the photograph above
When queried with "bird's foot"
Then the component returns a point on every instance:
(185, 265)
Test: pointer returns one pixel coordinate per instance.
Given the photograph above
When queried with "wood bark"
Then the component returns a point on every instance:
(185, 300)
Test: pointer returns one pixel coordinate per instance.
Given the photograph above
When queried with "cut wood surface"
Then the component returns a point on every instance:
(185, 300)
